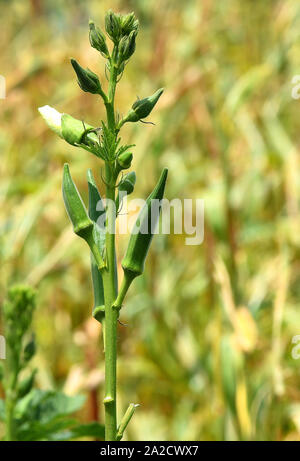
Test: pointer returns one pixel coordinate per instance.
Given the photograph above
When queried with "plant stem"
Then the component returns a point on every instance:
(111, 319)
(109, 281)
(12, 367)
(9, 416)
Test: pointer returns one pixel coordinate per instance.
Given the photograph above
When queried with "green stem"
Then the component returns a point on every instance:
(9, 416)
(12, 371)
(111, 319)
(109, 281)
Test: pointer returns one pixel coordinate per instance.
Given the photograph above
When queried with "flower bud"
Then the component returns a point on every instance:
(127, 46)
(67, 127)
(129, 23)
(124, 160)
(52, 117)
(126, 187)
(113, 26)
(97, 39)
(74, 131)
(128, 182)
(143, 107)
(87, 80)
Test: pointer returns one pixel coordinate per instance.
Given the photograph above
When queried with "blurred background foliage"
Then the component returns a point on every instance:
(207, 350)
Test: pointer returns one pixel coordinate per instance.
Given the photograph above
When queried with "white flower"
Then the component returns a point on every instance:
(52, 117)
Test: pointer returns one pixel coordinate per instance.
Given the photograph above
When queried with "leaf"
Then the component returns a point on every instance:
(93, 429)
(35, 430)
(2, 410)
(45, 406)
(40, 414)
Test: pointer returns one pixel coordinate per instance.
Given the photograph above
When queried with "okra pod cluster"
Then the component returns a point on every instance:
(97, 224)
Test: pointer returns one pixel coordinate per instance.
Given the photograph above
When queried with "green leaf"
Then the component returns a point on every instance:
(93, 429)
(40, 414)
(35, 430)
(2, 410)
(46, 406)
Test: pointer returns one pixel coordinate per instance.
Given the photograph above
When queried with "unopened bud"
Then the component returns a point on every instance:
(128, 183)
(113, 26)
(97, 39)
(143, 107)
(124, 160)
(127, 46)
(129, 23)
(75, 132)
(87, 80)
(126, 187)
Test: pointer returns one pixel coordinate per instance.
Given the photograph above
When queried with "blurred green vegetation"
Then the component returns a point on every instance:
(207, 347)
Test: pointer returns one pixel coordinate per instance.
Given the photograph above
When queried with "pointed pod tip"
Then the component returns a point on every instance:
(89, 175)
(158, 94)
(90, 178)
(74, 62)
(155, 97)
(164, 173)
(66, 173)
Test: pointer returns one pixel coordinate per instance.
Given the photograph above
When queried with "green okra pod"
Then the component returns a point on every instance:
(96, 210)
(82, 224)
(133, 262)
(139, 242)
(97, 215)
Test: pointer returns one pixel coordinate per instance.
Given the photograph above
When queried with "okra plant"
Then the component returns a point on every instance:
(29, 413)
(97, 224)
